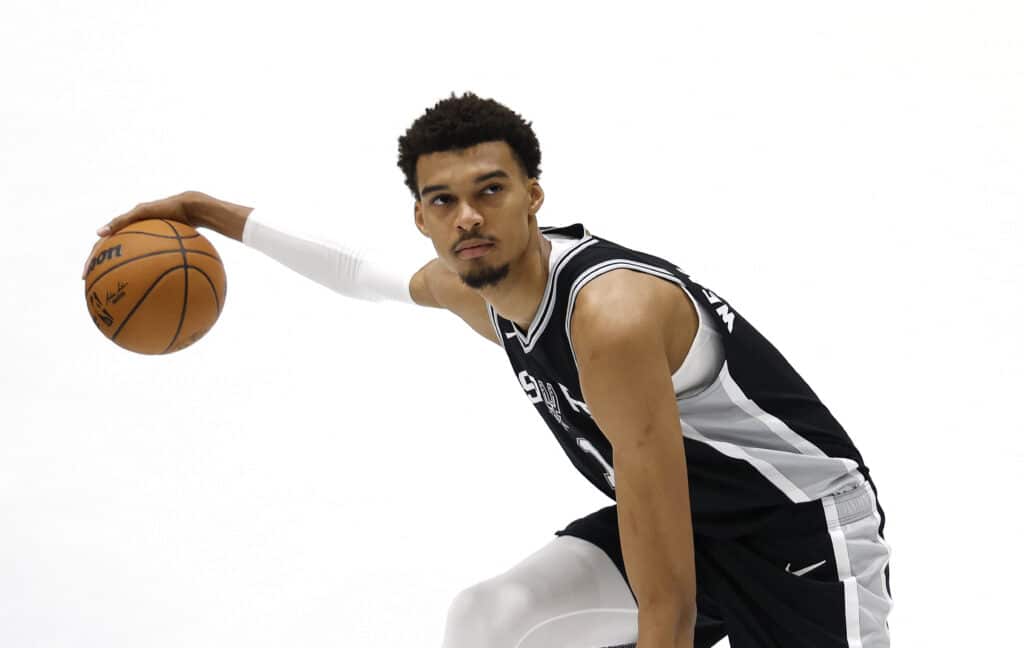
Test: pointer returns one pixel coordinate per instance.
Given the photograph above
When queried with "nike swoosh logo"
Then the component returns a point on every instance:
(510, 335)
(805, 570)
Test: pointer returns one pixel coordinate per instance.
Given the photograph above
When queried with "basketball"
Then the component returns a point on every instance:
(155, 287)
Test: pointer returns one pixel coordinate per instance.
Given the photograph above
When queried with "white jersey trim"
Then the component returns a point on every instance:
(702, 361)
(547, 303)
(607, 266)
(773, 423)
(850, 594)
(494, 323)
(770, 472)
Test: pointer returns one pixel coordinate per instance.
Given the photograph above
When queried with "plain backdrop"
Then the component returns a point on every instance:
(319, 471)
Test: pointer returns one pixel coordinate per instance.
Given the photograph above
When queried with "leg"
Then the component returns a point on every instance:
(568, 594)
(602, 529)
(573, 593)
(815, 578)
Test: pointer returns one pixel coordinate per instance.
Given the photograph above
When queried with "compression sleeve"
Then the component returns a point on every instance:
(351, 271)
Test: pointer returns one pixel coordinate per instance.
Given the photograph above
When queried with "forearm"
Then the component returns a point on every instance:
(667, 626)
(219, 215)
(657, 544)
(351, 270)
(666, 600)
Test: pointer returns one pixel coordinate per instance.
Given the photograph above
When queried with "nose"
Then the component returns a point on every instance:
(467, 217)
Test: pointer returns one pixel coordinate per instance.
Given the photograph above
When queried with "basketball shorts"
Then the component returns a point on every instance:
(815, 576)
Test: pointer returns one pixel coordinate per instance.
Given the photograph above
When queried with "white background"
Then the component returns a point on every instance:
(319, 471)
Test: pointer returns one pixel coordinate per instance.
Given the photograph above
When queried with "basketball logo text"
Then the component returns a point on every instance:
(105, 255)
(99, 313)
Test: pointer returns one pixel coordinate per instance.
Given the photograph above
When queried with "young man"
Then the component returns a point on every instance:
(742, 506)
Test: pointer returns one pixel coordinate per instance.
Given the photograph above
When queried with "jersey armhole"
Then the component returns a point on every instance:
(607, 266)
(701, 338)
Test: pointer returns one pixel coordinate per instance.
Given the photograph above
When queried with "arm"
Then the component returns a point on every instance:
(190, 207)
(622, 329)
(348, 271)
(436, 286)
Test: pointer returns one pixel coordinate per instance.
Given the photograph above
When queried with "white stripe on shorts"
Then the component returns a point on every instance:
(861, 558)
(835, 531)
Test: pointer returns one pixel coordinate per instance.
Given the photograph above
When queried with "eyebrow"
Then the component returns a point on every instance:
(487, 176)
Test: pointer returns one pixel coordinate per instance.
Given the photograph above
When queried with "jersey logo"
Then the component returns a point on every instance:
(541, 390)
(551, 400)
(805, 570)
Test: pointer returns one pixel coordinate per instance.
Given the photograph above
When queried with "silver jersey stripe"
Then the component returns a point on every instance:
(845, 573)
(777, 427)
(876, 606)
(861, 556)
(770, 472)
(725, 418)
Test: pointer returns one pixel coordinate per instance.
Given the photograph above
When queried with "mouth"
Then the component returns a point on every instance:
(474, 251)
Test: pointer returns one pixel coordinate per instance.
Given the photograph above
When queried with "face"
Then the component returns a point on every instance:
(479, 210)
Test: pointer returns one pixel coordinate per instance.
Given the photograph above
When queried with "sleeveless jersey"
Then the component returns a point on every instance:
(756, 438)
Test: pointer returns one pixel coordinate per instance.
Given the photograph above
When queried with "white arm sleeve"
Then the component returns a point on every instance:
(350, 271)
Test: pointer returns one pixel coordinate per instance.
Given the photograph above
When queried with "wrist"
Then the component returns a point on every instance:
(667, 625)
(223, 217)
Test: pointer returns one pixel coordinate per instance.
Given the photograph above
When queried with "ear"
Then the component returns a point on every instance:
(536, 196)
(418, 217)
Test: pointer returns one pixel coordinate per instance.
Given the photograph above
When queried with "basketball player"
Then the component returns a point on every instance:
(742, 509)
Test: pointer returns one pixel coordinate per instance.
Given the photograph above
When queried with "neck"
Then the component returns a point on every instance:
(518, 296)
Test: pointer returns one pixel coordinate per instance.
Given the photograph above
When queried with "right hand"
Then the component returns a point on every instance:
(172, 208)
(192, 208)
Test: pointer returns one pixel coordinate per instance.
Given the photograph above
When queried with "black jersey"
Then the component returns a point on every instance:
(755, 439)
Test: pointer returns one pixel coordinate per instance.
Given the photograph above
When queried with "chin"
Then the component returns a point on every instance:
(481, 277)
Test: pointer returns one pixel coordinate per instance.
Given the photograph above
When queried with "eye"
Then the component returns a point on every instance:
(440, 199)
(496, 187)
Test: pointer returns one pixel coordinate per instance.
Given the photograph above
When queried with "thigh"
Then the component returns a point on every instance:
(601, 529)
(567, 594)
(814, 580)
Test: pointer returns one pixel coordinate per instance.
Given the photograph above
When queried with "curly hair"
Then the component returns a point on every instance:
(460, 122)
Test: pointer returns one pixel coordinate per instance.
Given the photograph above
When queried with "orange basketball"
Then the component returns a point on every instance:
(155, 286)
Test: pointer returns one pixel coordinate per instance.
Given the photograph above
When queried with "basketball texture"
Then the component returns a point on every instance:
(155, 286)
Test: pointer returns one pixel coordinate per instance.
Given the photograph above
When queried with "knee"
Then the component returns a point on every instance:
(493, 613)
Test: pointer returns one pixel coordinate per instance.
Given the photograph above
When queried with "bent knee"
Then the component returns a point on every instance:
(491, 613)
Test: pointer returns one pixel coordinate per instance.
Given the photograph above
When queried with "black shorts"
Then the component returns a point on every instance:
(815, 576)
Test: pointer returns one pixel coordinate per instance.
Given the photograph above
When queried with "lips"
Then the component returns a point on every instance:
(472, 251)
(472, 243)
(473, 248)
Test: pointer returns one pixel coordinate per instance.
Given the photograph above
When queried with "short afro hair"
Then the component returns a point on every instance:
(461, 122)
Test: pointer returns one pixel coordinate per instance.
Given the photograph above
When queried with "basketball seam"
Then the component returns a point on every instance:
(142, 299)
(144, 256)
(213, 287)
(192, 236)
(184, 299)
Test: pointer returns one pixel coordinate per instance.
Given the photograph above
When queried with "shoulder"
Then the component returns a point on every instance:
(624, 299)
(436, 286)
(626, 308)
